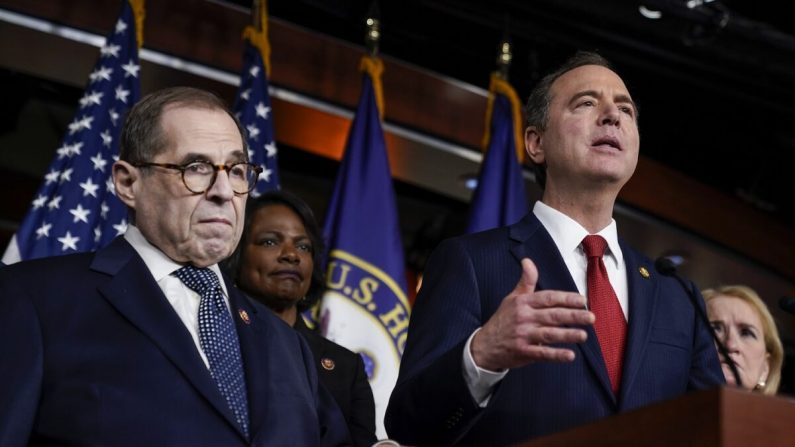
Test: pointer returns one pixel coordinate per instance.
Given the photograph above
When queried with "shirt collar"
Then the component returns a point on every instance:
(156, 261)
(568, 233)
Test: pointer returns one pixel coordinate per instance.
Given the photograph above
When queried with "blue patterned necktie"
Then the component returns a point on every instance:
(218, 339)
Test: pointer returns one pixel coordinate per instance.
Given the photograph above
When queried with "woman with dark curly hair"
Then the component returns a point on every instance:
(278, 263)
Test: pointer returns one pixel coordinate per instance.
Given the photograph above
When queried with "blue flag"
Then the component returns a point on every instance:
(500, 198)
(253, 109)
(365, 307)
(76, 208)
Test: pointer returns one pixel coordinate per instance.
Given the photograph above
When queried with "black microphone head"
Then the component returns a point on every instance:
(787, 303)
(665, 266)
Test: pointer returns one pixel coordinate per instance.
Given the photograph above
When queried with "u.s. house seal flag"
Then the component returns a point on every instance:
(365, 307)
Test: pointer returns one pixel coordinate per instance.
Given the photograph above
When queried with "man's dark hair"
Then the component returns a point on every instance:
(537, 108)
(142, 136)
(317, 283)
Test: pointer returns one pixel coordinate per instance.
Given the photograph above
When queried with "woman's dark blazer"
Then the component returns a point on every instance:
(342, 373)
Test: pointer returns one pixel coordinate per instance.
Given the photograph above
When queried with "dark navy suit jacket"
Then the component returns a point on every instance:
(342, 373)
(93, 354)
(669, 351)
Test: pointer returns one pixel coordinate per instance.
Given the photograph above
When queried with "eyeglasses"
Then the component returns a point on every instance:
(199, 176)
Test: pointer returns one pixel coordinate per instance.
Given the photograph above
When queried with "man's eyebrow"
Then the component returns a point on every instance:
(621, 98)
(627, 100)
(579, 95)
(193, 156)
(234, 157)
(238, 154)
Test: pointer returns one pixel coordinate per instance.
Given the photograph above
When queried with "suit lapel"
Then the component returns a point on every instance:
(316, 344)
(534, 242)
(252, 333)
(643, 298)
(135, 294)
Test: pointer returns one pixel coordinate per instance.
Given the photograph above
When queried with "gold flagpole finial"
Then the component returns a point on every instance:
(370, 62)
(373, 35)
(499, 85)
(504, 58)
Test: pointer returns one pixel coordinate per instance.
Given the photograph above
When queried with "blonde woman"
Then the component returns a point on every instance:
(743, 322)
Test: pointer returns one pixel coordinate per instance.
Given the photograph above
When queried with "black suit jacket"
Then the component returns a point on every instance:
(93, 354)
(668, 352)
(342, 373)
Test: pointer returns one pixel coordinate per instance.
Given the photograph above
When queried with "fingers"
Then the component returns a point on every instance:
(562, 316)
(531, 326)
(554, 298)
(555, 335)
(527, 282)
(545, 346)
(540, 353)
(545, 298)
(540, 347)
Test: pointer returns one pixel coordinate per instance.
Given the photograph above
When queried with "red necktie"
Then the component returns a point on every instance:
(610, 326)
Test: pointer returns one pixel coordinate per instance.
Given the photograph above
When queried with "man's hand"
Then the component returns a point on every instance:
(527, 322)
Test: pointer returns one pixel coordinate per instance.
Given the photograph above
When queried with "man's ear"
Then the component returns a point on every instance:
(532, 145)
(125, 178)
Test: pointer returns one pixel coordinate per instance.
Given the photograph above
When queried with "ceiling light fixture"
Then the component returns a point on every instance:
(649, 13)
(692, 4)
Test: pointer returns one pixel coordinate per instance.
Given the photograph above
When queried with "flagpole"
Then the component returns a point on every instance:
(255, 13)
(253, 103)
(499, 85)
(364, 307)
(139, 14)
(500, 198)
(373, 36)
(504, 58)
(371, 63)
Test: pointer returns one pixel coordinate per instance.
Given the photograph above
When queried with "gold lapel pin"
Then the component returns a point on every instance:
(244, 316)
(327, 363)
(643, 272)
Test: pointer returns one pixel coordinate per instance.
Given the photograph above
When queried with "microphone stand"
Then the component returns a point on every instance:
(666, 267)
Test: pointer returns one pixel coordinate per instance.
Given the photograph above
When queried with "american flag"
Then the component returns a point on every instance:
(253, 109)
(76, 208)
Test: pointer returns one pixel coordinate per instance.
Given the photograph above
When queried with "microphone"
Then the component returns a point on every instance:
(666, 267)
(787, 303)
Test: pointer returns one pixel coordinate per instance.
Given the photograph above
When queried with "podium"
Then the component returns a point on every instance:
(722, 417)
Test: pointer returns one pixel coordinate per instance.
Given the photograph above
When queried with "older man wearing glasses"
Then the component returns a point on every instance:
(145, 342)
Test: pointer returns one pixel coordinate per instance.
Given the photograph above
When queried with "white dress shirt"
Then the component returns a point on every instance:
(567, 235)
(181, 297)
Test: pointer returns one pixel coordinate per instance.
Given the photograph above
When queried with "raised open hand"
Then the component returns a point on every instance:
(528, 323)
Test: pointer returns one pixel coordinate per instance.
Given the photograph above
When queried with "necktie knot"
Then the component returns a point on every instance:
(594, 246)
(199, 280)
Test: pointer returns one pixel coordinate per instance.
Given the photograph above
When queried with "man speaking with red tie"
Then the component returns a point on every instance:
(555, 321)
